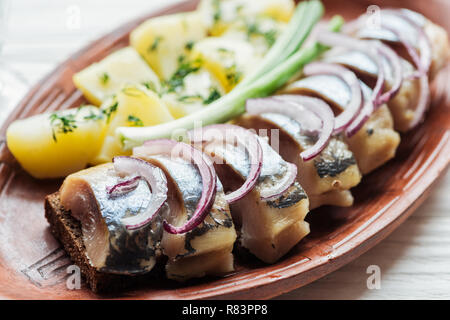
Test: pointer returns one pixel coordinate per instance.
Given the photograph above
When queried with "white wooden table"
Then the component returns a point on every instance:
(414, 260)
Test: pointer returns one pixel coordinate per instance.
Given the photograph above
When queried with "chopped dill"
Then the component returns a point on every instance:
(150, 85)
(224, 50)
(217, 11)
(253, 29)
(104, 78)
(155, 44)
(190, 99)
(189, 45)
(62, 124)
(94, 116)
(233, 76)
(214, 94)
(135, 121)
(110, 110)
(185, 68)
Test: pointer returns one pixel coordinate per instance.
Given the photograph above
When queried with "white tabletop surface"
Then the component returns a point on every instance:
(414, 260)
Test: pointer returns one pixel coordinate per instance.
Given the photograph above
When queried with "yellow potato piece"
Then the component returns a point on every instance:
(200, 88)
(218, 15)
(101, 80)
(228, 59)
(133, 105)
(45, 151)
(162, 40)
(260, 32)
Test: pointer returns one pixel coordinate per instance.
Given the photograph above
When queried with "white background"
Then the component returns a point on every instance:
(414, 260)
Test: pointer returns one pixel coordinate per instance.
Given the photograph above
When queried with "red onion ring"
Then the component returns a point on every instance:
(373, 50)
(123, 187)
(394, 62)
(424, 44)
(280, 188)
(334, 39)
(302, 109)
(243, 137)
(205, 167)
(344, 119)
(424, 97)
(157, 182)
(362, 117)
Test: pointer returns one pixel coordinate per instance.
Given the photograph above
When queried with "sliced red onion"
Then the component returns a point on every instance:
(422, 74)
(343, 120)
(334, 39)
(277, 190)
(244, 138)
(311, 113)
(156, 181)
(361, 118)
(423, 44)
(397, 70)
(182, 150)
(123, 187)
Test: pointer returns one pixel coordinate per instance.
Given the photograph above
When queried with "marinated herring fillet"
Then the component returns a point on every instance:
(394, 19)
(268, 228)
(403, 105)
(376, 142)
(207, 249)
(328, 177)
(110, 247)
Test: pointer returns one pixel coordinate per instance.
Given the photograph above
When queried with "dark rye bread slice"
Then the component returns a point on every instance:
(68, 231)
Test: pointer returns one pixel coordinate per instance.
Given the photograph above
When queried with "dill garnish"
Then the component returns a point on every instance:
(135, 121)
(154, 45)
(189, 45)
(62, 124)
(104, 78)
(253, 29)
(233, 75)
(213, 96)
(217, 11)
(110, 110)
(93, 116)
(150, 85)
(185, 68)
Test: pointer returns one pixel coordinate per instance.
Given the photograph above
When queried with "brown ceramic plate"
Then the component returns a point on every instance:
(33, 265)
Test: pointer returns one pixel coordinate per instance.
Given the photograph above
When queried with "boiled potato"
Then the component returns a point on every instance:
(162, 40)
(260, 32)
(133, 105)
(101, 80)
(200, 89)
(218, 15)
(57, 144)
(228, 59)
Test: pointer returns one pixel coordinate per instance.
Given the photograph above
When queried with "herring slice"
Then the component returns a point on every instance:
(110, 247)
(207, 249)
(376, 142)
(268, 228)
(325, 178)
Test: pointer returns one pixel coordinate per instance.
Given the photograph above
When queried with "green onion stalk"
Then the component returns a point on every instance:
(281, 63)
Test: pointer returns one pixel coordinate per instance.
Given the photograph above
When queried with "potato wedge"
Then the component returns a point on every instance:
(162, 40)
(102, 80)
(228, 59)
(220, 15)
(133, 105)
(200, 89)
(57, 144)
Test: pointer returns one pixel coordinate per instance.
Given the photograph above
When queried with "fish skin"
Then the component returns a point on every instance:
(127, 251)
